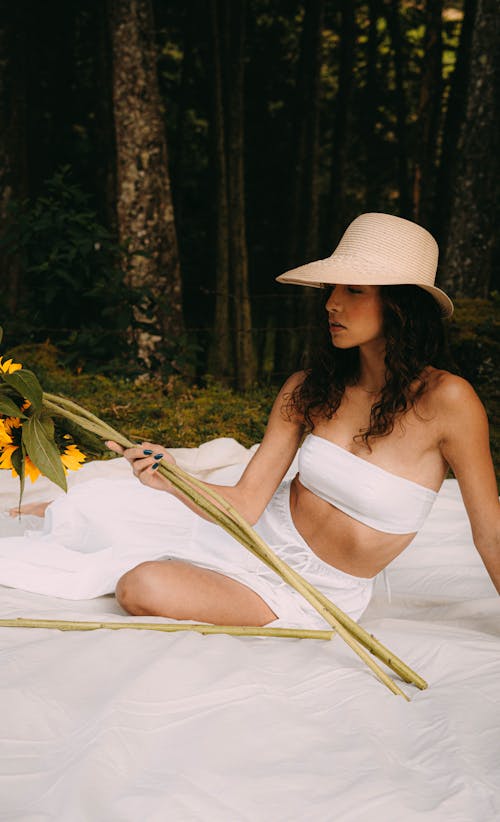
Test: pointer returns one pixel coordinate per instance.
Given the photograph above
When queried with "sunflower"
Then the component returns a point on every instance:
(6, 457)
(9, 424)
(72, 458)
(5, 438)
(10, 438)
(8, 367)
(31, 470)
(10, 441)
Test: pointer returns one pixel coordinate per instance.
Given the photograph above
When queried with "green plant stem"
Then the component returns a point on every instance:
(258, 547)
(233, 630)
(228, 518)
(273, 561)
(73, 406)
(101, 429)
(371, 642)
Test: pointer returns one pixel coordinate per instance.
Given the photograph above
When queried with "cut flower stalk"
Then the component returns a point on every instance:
(268, 556)
(201, 628)
(220, 511)
(240, 530)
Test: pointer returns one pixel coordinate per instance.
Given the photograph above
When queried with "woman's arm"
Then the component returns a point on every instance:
(262, 475)
(465, 446)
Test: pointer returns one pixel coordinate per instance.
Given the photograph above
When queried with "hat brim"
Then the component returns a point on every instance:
(327, 271)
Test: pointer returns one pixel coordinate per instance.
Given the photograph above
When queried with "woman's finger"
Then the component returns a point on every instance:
(113, 446)
(141, 464)
(146, 472)
(138, 454)
(144, 459)
(146, 449)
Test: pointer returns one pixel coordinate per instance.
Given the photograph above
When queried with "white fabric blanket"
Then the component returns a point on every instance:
(111, 726)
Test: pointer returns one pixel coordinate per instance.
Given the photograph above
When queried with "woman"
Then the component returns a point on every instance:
(383, 423)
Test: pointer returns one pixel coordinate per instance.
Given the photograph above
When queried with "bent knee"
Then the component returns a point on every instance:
(133, 587)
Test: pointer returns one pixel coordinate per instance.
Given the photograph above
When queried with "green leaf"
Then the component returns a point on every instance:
(18, 463)
(43, 452)
(48, 425)
(26, 383)
(7, 406)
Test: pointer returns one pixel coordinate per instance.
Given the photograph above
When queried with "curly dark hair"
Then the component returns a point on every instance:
(415, 338)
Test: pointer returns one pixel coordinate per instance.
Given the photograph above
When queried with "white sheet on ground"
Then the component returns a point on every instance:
(114, 726)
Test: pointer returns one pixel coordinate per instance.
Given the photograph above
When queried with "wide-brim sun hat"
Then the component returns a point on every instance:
(378, 249)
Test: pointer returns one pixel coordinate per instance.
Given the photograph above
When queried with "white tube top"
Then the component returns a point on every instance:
(362, 490)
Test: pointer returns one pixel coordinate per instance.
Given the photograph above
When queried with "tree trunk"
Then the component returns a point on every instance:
(429, 105)
(309, 220)
(190, 22)
(13, 149)
(219, 359)
(455, 113)
(398, 48)
(370, 114)
(103, 130)
(52, 100)
(144, 199)
(238, 254)
(304, 214)
(303, 227)
(467, 259)
(340, 131)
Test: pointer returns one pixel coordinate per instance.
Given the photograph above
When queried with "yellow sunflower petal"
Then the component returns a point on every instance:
(6, 457)
(12, 422)
(72, 458)
(8, 367)
(31, 470)
(5, 437)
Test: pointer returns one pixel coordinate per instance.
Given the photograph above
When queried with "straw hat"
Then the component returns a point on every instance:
(378, 249)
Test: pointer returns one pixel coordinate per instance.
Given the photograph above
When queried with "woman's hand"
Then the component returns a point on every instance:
(145, 459)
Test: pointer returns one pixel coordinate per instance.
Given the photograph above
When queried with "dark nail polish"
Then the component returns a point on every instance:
(155, 465)
(158, 456)
(147, 452)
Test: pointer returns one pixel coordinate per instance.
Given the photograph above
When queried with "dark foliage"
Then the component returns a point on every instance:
(73, 289)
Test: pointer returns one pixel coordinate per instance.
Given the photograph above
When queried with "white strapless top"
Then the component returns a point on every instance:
(362, 490)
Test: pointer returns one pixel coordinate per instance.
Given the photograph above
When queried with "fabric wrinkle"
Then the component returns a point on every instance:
(102, 529)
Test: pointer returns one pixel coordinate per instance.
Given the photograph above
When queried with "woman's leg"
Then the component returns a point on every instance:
(181, 590)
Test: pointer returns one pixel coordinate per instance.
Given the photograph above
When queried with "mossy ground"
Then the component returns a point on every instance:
(181, 415)
(173, 413)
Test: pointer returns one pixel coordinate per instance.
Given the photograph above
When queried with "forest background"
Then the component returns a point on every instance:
(162, 162)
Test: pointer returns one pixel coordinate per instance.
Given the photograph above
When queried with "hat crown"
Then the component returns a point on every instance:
(378, 249)
(378, 245)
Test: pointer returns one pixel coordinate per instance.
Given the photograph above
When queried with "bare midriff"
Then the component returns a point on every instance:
(340, 540)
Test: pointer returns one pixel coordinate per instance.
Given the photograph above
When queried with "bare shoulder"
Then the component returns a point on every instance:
(294, 380)
(453, 397)
(284, 401)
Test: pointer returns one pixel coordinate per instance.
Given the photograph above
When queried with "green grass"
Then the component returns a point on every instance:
(173, 413)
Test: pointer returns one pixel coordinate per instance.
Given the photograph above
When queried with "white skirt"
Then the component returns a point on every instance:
(103, 528)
